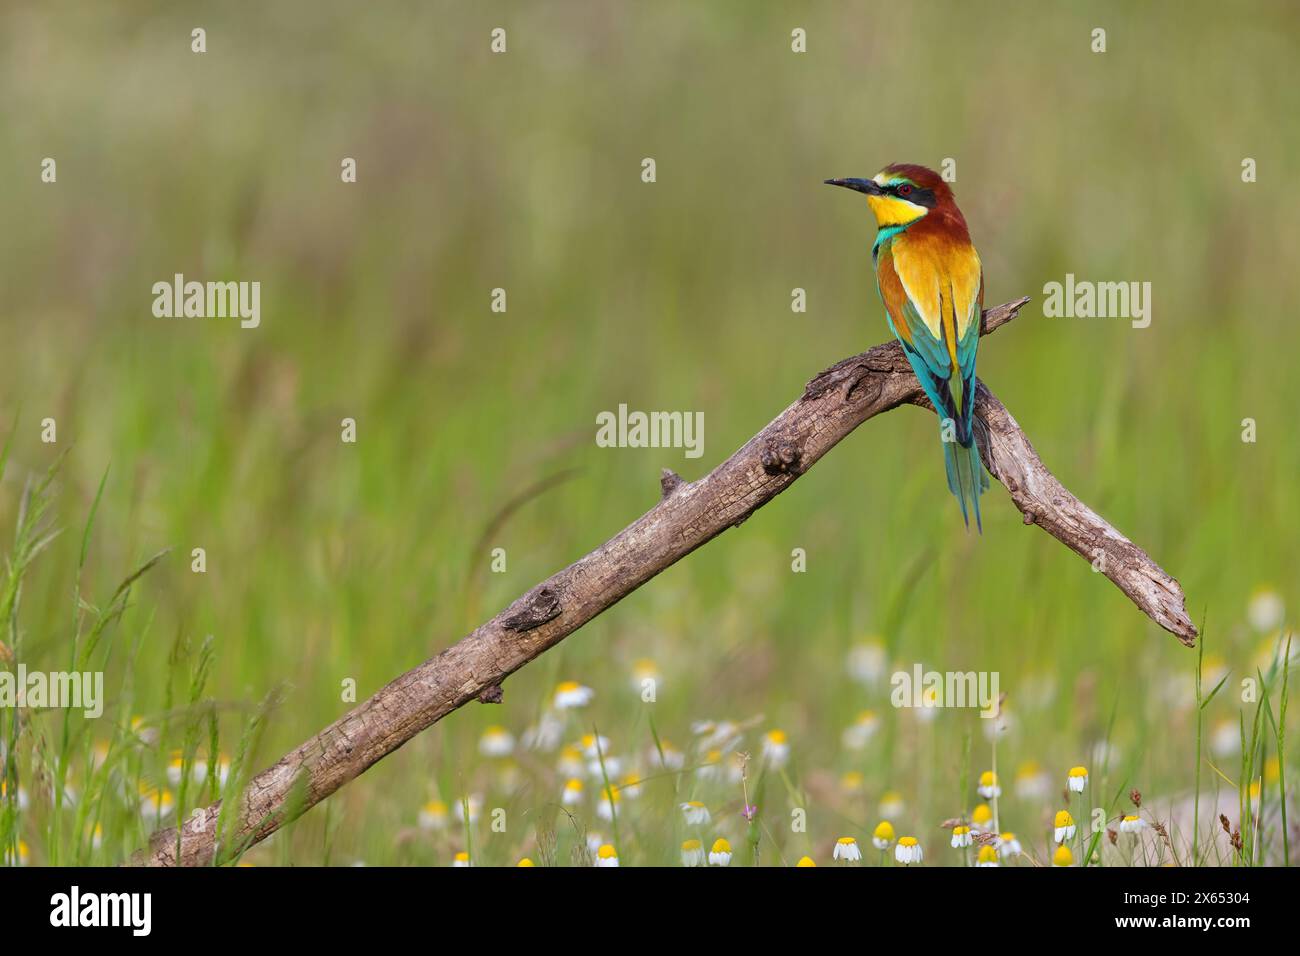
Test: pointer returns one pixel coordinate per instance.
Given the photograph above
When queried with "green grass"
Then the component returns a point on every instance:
(329, 562)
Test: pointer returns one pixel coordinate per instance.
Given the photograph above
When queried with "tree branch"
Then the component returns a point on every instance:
(687, 515)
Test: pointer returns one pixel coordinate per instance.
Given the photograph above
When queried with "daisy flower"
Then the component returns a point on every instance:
(1008, 844)
(631, 786)
(891, 804)
(883, 835)
(708, 769)
(846, 848)
(666, 756)
(908, 851)
(525, 862)
(570, 694)
(1062, 856)
(1032, 782)
(461, 859)
(981, 818)
(1265, 610)
(609, 799)
(805, 861)
(776, 748)
(1077, 780)
(496, 742)
(1064, 827)
(1132, 824)
(642, 671)
(988, 785)
(852, 782)
(692, 853)
(720, 855)
(696, 813)
(867, 661)
(961, 837)
(433, 815)
(572, 792)
(606, 855)
(988, 856)
(570, 763)
(859, 733)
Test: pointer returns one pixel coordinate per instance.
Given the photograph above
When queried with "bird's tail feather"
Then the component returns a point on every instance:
(966, 478)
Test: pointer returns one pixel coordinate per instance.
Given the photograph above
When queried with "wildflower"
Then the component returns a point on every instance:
(692, 853)
(1064, 827)
(570, 763)
(525, 862)
(97, 836)
(545, 735)
(496, 742)
(433, 815)
(1032, 783)
(981, 819)
(631, 786)
(722, 735)
(1265, 610)
(594, 842)
(155, 803)
(805, 861)
(198, 769)
(846, 848)
(461, 859)
(24, 854)
(1078, 779)
(1008, 844)
(988, 856)
(572, 792)
(1132, 824)
(469, 807)
(708, 770)
(883, 835)
(696, 813)
(1225, 738)
(961, 837)
(720, 855)
(142, 729)
(776, 748)
(609, 798)
(642, 671)
(594, 745)
(908, 851)
(667, 757)
(852, 782)
(1062, 856)
(931, 701)
(857, 734)
(571, 694)
(891, 804)
(23, 801)
(866, 662)
(988, 785)
(606, 856)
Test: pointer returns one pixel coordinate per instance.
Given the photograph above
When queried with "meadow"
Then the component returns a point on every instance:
(329, 564)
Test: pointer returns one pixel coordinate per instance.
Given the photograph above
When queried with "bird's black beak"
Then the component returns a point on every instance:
(868, 186)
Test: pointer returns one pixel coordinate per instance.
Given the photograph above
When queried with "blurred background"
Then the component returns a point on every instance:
(329, 561)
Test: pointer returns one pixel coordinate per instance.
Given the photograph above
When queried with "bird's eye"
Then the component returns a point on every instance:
(905, 189)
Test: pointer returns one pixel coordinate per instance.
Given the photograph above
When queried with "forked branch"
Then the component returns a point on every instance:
(687, 515)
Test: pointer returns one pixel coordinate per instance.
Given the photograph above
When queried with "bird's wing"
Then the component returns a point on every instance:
(933, 286)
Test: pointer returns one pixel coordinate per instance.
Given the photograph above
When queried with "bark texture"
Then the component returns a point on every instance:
(687, 515)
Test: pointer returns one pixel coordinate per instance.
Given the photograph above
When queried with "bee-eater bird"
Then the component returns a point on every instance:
(931, 282)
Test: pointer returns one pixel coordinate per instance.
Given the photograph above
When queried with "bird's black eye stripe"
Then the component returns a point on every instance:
(914, 194)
